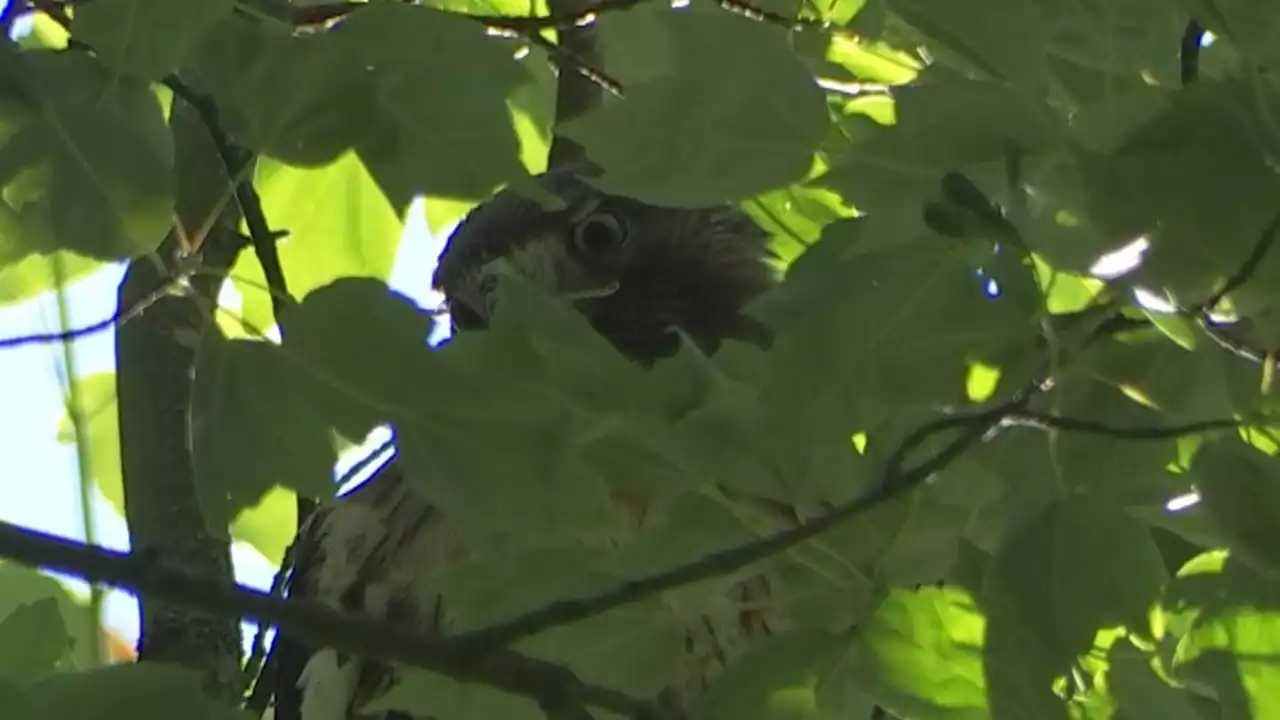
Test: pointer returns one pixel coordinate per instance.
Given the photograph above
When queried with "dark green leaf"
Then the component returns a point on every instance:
(1140, 692)
(777, 678)
(33, 640)
(302, 99)
(1154, 181)
(148, 691)
(23, 586)
(1005, 40)
(87, 163)
(356, 350)
(1078, 567)
(737, 115)
(1240, 488)
(146, 38)
(253, 428)
(882, 326)
(439, 91)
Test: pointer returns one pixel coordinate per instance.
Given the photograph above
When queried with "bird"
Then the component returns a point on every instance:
(644, 276)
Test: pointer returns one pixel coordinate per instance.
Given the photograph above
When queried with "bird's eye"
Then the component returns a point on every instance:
(599, 233)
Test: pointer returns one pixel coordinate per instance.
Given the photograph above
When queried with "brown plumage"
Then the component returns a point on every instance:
(637, 272)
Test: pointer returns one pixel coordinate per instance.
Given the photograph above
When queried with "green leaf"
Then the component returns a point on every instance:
(943, 125)
(87, 160)
(1240, 489)
(538, 411)
(920, 655)
(422, 693)
(356, 352)
(302, 99)
(1150, 181)
(1227, 630)
(1078, 567)
(880, 328)
(252, 429)
(738, 115)
(34, 274)
(33, 640)
(146, 38)
(633, 648)
(795, 216)
(1003, 40)
(339, 224)
(21, 586)
(147, 691)
(1139, 691)
(777, 677)
(433, 128)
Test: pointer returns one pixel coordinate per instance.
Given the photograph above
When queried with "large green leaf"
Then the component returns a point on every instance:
(1225, 627)
(872, 325)
(33, 640)
(738, 114)
(439, 91)
(252, 429)
(87, 160)
(1140, 690)
(147, 691)
(21, 586)
(146, 38)
(1078, 567)
(920, 655)
(300, 98)
(1240, 488)
(1005, 39)
(780, 677)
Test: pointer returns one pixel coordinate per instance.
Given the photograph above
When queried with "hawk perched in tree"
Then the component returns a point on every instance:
(639, 271)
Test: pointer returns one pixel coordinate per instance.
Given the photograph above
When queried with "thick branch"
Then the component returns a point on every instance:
(155, 354)
(543, 682)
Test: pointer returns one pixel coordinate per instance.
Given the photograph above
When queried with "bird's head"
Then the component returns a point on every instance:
(636, 271)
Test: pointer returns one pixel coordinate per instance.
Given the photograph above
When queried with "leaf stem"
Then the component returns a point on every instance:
(75, 411)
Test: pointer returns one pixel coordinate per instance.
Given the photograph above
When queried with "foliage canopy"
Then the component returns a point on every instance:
(942, 178)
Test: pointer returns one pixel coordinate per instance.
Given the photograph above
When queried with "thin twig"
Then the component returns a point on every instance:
(1246, 270)
(235, 160)
(1047, 421)
(118, 317)
(501, 669)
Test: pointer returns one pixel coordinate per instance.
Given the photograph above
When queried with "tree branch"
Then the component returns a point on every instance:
(1046, 421)
(894, 483)
(1247, 269)
(504, 670)
(155, 355)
